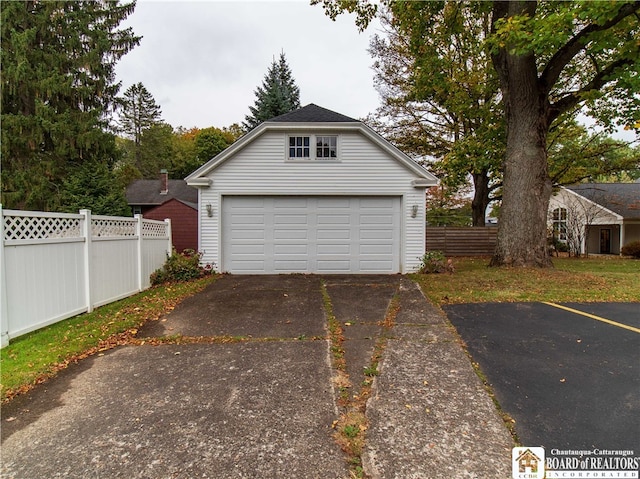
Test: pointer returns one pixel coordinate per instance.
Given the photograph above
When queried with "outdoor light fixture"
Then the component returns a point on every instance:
(209, 210)
(414, 211)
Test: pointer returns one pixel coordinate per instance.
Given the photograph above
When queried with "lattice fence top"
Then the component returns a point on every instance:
(41, 227)
(109, 227)
(31, 226)
(154, 229)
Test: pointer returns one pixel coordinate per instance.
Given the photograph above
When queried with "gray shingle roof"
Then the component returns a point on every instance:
(147, 192)
(313, 114)
(621, 198)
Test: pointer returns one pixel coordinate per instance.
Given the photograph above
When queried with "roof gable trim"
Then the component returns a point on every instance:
(198, 177)
(591, 202)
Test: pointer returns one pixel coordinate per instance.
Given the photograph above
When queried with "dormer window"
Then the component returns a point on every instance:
(301, 147)
(326, 147)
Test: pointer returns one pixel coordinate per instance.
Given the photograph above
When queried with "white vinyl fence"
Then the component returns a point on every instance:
(57, 265)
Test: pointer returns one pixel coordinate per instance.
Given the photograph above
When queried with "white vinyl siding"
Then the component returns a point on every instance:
(364, 170)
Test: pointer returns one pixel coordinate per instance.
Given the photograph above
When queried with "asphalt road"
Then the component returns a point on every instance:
(569, 381)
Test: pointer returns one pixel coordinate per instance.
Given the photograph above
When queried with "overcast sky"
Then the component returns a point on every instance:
(203, 60)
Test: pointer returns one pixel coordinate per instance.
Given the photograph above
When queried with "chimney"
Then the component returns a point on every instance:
(164, 182)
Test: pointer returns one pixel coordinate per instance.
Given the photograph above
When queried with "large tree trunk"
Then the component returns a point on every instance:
(480, 198)
(522, 233)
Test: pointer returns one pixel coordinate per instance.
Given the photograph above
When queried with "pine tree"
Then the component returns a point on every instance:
(96, 187)
(278, 95)
(139, 111)
(58, 89)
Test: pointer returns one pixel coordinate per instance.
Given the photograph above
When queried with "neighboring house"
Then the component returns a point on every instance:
(173, 199)
(312, 191)
(596, 218)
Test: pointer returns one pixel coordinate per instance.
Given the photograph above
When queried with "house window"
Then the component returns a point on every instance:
(326, 147)
(299, 147)
(560, 224)
(302, 147)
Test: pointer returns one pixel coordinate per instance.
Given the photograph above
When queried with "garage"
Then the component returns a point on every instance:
(311, 191)
(310, 234)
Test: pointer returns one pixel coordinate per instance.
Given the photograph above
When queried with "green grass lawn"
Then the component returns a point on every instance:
(36, 356)
(594, 279)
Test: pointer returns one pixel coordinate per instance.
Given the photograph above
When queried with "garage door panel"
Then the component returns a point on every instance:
(332, 203)
(291, 234)
(249, 219)
(246, 266)
(375, 234)
(329, 266)
(311, 234)
(336, 248)
(325, 219)
(377, 203)
(379, 249)
(248, 234)
(290, 266)
(289, 201)
(249, 202)
(376, 219)
(247, 248)
(333, 234)
(293, 249)
(290, 219)
(372, 266)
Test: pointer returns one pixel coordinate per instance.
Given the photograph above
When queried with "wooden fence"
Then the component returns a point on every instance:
(453, 241)
(56, 265)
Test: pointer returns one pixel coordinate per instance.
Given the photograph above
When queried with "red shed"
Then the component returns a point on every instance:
(184, 222)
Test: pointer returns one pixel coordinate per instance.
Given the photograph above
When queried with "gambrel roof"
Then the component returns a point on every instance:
(620, 198)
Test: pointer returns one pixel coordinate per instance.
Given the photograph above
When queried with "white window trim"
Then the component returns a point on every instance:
(559, 225)
(312, 148)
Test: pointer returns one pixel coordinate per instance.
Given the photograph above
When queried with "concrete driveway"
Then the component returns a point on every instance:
(249, 392)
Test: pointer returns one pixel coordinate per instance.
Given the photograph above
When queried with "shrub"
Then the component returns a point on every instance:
(435, 262)
(180, 267)
(631, 249)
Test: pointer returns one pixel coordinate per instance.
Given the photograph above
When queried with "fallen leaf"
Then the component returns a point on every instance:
(10, 419)
(408, 406)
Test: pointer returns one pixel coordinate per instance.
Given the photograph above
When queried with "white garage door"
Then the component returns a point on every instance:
(310, 234)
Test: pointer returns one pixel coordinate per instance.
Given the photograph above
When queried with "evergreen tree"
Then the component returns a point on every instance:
(278, 95)
(155, 151)
(94, 186)
(139, 111)
(58, 88)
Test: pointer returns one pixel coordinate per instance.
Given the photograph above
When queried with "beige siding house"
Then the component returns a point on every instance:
(312, 191)
(596, 218)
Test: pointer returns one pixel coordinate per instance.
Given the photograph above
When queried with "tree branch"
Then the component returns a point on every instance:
(572, 99)
(564, 55)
